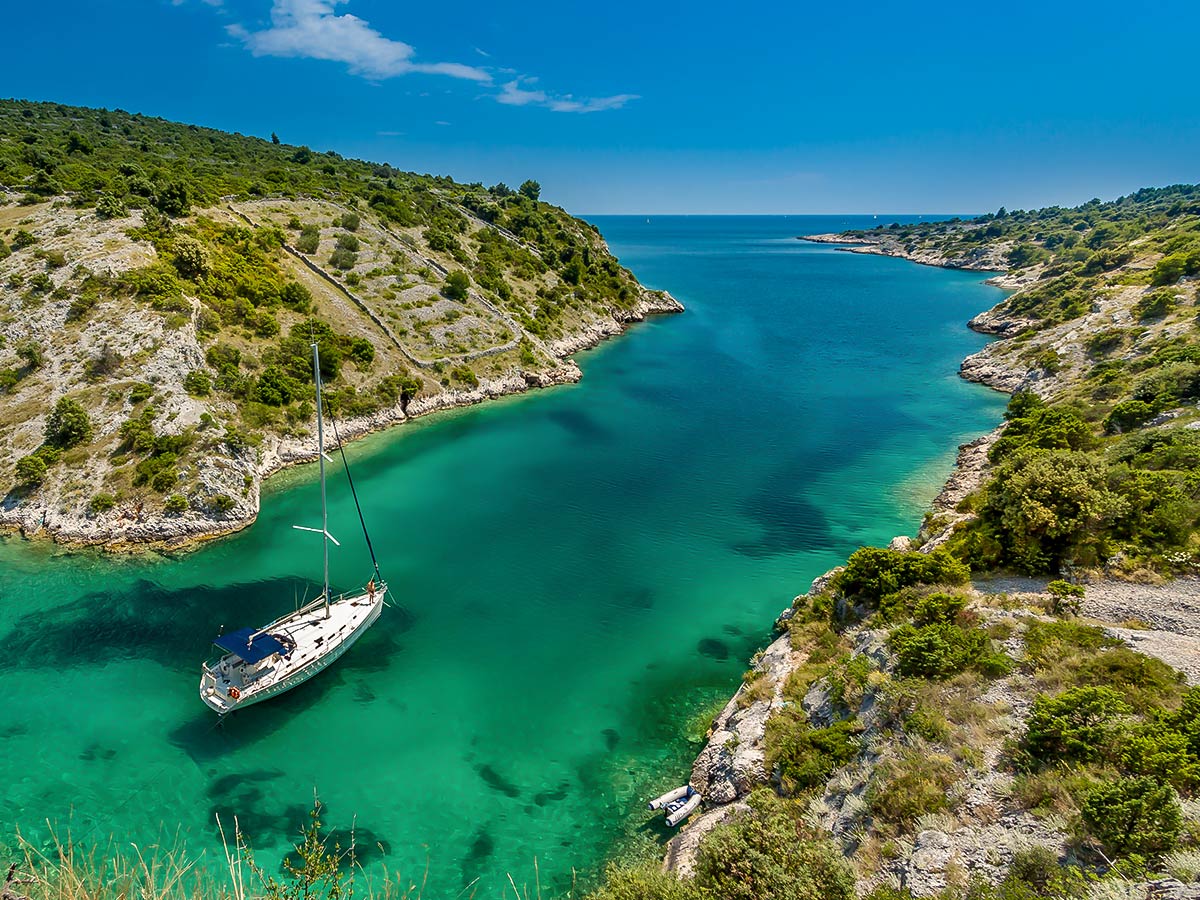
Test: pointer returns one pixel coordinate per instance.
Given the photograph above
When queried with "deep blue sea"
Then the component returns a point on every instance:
(579, 571)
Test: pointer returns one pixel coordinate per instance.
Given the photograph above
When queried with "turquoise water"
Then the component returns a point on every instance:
(577, 571)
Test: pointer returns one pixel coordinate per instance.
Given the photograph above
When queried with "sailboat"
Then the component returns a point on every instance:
(261, 663)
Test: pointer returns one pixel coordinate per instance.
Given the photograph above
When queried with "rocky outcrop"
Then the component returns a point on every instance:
(991, 257)
(591, 333)
(986, 368)
(732, 762)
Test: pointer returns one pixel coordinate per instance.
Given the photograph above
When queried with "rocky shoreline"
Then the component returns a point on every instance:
(990, 258)
(732, 762)
(128, 530)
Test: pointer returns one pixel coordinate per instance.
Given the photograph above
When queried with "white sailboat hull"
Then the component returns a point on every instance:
(318, 641)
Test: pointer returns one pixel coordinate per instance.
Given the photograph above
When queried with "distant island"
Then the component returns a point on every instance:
(162, 283)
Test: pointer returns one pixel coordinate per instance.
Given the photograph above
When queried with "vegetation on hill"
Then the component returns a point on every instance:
(923, 706)
(168, 279)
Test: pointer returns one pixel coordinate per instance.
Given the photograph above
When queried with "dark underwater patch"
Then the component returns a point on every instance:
(637, 598)
(497, 782)
(713, 649)
(612, 737)
(581, 425)
(788, 523)
(559, 793)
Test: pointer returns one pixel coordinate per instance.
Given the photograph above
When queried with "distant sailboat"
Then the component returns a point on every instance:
(262, 663)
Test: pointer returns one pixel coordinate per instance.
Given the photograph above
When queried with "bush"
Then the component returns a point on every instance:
(648, 882)
(766, 855)
(222, 503)
(23, 239)
(343, 259)
(1079, 725)
(110, 207)
(805, 756)
(943, 649)
(872, 573)
(464, 375)
(1050, 642)
(904, 789)
(176, 504)
(31, 471)
(457, 285)
(198, 383)
(296, 295)
(191, 259)
(1065, 597)
(1045, 507)
(68, 424)
(1128, 415)
(349, 221)
(1133, 815)
(1154, 305)
(140, 392)
(347, 242)
(309, 240)
(101, 503)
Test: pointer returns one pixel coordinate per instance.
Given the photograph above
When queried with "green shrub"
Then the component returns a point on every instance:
(110, 207)
(1033, 424)
(343, 259)
(68, 424)
(1049, 642)
(942, 649)
(347, 242)
(349, 221)
(1154, 305)
(806, 756)
(1133, 815)
(457, 285)
(176, 504)
(31, 470)
(1065, 597)
(23, 239)
(101, 502)
(872, 573)
(767, 855)
(1162, 753)
(1128, 415)
(140, 392)
(1143, 680)
(309, 240)
(198, 383)
(646, 882)
(904, 789)
(222, 503)
(464, 375)
(1045, 507)
(1079, 725)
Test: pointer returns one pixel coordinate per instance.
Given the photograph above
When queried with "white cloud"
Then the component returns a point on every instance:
(512, 94)
(313, 30)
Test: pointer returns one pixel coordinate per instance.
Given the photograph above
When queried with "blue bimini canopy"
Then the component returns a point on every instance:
(239, 643)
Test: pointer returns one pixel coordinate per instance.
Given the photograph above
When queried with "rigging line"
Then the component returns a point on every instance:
(353, 493)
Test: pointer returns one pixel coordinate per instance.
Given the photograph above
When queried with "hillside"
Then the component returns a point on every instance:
(162, 283)
(1007, 706)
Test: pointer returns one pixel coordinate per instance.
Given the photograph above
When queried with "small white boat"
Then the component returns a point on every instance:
(262, 663)
(678, 804)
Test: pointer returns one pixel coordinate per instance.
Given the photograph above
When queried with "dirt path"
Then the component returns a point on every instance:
(1161, 620)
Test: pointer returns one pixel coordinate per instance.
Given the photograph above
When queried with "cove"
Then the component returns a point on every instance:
(576, 573)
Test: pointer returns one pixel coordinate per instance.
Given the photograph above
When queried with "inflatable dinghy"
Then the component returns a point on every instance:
(678, 804)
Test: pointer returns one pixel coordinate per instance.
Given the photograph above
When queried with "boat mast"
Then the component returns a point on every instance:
(321, 462)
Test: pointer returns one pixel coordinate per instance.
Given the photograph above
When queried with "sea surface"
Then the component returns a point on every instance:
(577, 573)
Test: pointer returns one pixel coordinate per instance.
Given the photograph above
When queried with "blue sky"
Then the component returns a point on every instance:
(664, 107)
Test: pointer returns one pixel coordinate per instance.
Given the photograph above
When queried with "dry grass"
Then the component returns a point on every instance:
(65, 870)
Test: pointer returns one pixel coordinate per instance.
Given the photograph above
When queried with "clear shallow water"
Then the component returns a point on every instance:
(578, 572)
